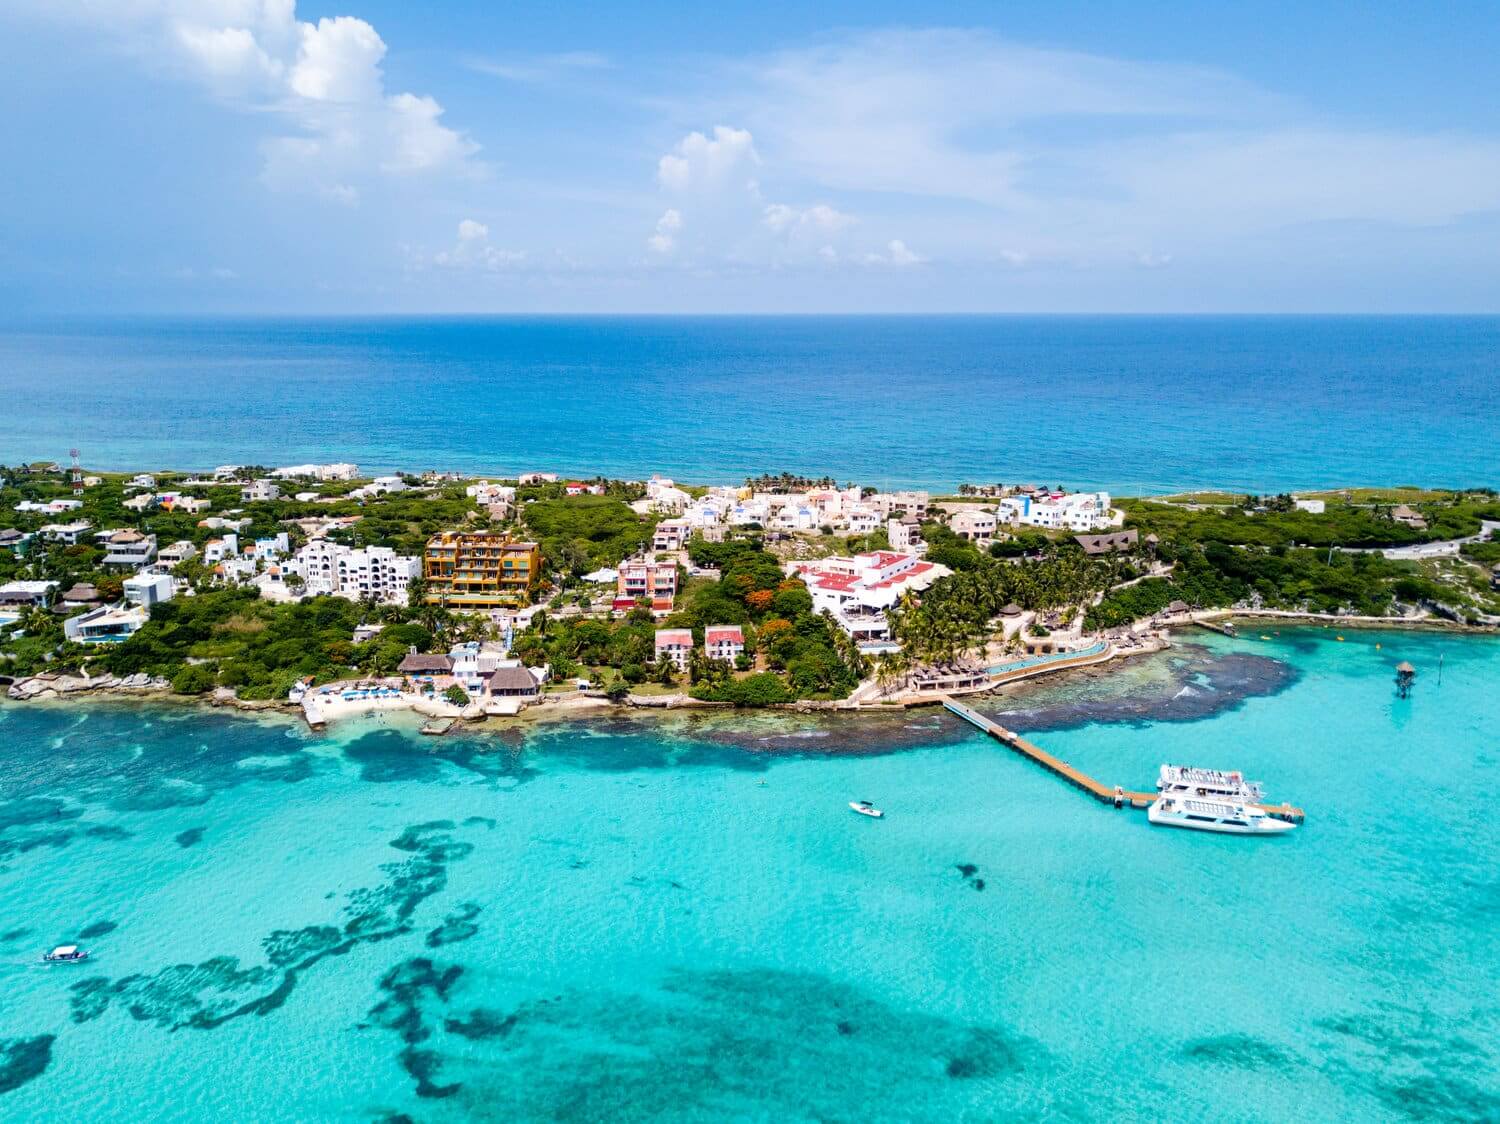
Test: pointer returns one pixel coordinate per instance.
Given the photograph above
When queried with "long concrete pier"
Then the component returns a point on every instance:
(1107, 794)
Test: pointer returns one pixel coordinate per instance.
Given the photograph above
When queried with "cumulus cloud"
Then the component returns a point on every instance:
(819, 219)
(714, 183)
(322, 81)
(664, 241)
(473, 250)
(701, 163)
(896, 253)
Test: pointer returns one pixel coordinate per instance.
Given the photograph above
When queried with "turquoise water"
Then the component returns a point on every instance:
(682, 920)
(1132, 404)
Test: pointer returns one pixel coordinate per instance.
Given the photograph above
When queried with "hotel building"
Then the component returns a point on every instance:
(480, 570)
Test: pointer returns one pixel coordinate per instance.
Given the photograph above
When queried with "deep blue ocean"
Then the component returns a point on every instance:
(1133, 404)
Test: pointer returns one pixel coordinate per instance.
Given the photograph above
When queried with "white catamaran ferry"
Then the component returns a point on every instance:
(1211, 783)
(1232, 818)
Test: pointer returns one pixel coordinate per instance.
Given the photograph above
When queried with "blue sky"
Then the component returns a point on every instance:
(253, 156)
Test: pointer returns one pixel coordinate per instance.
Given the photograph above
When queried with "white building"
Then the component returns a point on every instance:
(1312, 507)
(26, 592)
(671, 534)
(104, 625)
(70, 533)
(901, 535)
(179, 552)
(537, 478)
(49, 507)
(1076, 511)
(149, 589)
(338, 471)
(675, 644)
(857, 590)
(664, 497)
(900, 503)
(144, 480)
(485, 493)
(723, 642)
(374, 571)
(975, 524)
(270, 549)
(193, 505)
(128, 548)
(217, 550)
(258, 491)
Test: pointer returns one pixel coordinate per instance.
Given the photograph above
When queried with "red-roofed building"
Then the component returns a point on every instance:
(858, 590)
(723, 642)
(675, 644)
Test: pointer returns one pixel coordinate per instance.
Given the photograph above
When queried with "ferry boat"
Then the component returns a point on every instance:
(65, 954)
(1170, 810)
(1212, 783)
(865, 808)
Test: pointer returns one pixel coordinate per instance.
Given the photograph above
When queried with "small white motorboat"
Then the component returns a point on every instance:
(865, 808)
(65, 954)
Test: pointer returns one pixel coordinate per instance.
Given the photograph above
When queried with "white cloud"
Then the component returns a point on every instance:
(322, 81)
(699, 163)
(473, 251)
(896, 254)
(818, 219)
(946, 122)
(714, 184)
(664, 241)
(542, 69)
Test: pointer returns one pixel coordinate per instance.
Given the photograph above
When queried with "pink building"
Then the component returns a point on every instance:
(654, 581)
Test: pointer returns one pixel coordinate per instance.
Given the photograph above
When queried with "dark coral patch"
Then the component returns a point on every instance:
(482, 1023)
(23, 1060)
(191, 837)
(106, 831)
(457, 926)
(407, 987)
(29, 811)
(97, 929)
(208, 994)
(1242, 1050)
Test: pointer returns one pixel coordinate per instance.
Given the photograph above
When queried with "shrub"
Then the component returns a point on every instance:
(195, 679)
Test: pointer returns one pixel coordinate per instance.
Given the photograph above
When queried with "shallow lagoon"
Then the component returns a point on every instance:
(680, 918)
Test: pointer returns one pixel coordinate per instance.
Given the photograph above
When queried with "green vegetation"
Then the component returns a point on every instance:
(803, 654)
(1340, 525)
(955, 615)
(581, 533)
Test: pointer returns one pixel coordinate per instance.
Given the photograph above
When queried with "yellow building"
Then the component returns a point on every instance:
(482, 570)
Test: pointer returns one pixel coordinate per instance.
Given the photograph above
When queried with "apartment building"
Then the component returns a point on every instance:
(480, 570)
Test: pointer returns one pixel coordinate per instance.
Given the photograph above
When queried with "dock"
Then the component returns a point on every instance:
(1105, 794)
(1224, 628)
